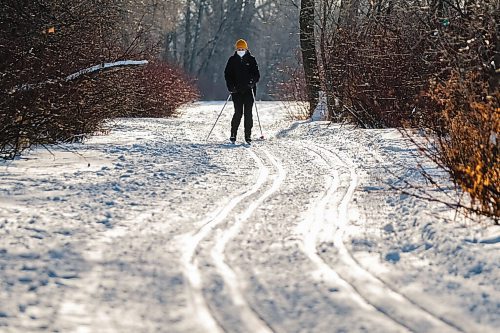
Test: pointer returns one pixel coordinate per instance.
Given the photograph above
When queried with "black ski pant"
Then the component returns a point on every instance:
(243, 103)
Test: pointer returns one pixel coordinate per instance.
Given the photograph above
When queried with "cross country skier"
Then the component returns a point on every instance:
(242, 74)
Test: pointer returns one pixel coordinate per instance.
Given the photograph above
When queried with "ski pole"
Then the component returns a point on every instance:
(227, 100)
(257, 111)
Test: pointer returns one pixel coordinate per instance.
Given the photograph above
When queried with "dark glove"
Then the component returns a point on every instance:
(251, 84)
(233, 90)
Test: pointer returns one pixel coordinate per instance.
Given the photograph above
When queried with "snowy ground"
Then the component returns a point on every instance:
(151, 229)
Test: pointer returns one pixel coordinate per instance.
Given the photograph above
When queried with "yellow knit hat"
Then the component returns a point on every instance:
(241, 44)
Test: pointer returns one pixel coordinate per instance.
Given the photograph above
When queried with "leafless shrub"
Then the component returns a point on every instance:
(288, 85)
(466, 105)
(469, 150)
(42, 46)
(376, 65)
(157, 91)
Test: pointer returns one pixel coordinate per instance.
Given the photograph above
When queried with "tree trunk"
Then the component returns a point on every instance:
(495, 81)
(308, 48)
(187, 36)
(324, 50)
(194, 50)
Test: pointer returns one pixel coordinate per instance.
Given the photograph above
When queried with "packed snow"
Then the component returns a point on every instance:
(150, 228)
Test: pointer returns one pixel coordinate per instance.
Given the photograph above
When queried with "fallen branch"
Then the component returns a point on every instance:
(92, 69)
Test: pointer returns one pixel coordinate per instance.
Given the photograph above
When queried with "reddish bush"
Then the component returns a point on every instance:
(157, 90)
(42, 46)
(377, 68)
(72, 110)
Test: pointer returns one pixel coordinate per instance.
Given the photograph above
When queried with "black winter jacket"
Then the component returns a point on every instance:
(241, 73)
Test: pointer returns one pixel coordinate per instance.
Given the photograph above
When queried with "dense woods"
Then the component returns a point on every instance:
(206, 30)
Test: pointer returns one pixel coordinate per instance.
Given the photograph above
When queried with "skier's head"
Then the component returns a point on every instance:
(241, 45)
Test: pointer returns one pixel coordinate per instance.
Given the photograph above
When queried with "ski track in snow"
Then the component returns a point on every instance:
(399, 303)
(189, 260)
(252, 320)
(183, 235)
(314, 224)
(374, 291)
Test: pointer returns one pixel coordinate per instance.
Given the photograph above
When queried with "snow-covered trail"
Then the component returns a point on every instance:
(152, 229)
